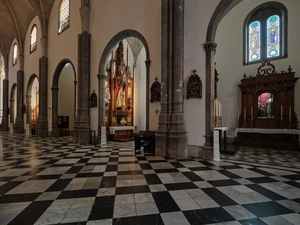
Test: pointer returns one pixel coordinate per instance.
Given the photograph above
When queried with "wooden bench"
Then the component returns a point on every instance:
(145, 139)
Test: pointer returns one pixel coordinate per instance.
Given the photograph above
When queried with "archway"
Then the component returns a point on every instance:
(63, 98)
(131, 39)
(32, 103)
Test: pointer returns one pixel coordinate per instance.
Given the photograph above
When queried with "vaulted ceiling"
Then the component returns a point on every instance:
(15, 17)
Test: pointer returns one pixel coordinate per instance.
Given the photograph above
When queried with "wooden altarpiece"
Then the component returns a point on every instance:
(277, 112)
(119, 98)
(267, 118)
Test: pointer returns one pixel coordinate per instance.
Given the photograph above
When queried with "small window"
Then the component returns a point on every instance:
(64, 15)
(266, 33)
(15, 54)
(33, 39)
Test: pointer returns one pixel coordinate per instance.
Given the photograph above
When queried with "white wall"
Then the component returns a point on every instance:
(229, 56)
(140, 93)
(197, 16)
(62, 46)
(66, 94)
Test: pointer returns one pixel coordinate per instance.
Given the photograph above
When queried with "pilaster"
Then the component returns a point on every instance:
(5, 122)
(164, 118)
(177, 134)
(42, 125)
(55, 131)
(101, 109)
(19, 125)
(83, 112)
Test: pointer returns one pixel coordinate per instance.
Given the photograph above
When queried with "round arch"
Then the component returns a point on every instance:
(54, 88)
(12, 102)
(102, 72)
(28, 97)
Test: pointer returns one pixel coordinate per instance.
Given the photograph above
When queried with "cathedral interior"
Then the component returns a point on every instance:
(149, 112)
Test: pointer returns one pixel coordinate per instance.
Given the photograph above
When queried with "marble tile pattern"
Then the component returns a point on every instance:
(54, 181)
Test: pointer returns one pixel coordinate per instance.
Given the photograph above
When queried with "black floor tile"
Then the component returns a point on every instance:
(8, 186)
(146, 166)
(103, 208)
(180, 186)
(265, 209)
(207, 216)
(152, 179)
(192, 176)
(258, 180)
(166, 170)
(108, 182)
(59, 185)
(19, 197)
(219, 197)
(110, 168)
(78, 194)
(132, 189)
(31, 213)
(219, 183)
(265, 192)
(254, 221)
(165, 202)
(229, 174)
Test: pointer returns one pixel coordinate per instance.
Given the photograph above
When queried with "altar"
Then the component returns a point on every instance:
(283, 139)
(121, 133)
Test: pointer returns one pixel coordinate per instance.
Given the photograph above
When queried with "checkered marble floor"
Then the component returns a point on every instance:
(54, 181)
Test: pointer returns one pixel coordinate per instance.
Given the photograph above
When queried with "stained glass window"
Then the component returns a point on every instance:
(254, 41)
(266, 33)
(33, 39)
(15, 54)
(64, 15)
(273, 29)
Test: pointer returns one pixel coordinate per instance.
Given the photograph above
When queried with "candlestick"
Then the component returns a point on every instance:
(290, 114)
(238, 114)
(281, 112)
(245, 114)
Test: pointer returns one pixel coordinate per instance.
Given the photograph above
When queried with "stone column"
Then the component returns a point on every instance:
(101, 108)
(28, 108)
(83, 117)
(178, 136)
(5, 122)
(81, 133)
(19, 126)
(12, 110)
(161, 142)
(210, 49)
(55, 131)
(42, 125)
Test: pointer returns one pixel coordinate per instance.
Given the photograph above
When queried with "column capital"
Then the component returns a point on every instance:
(210, 46)
(54, 88)
(148, 63)
(101, 76)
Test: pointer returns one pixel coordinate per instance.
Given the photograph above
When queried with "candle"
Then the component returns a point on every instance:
(290, 114)
(281, 112)
(220, 109)
(251, 113)
(245, 114)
